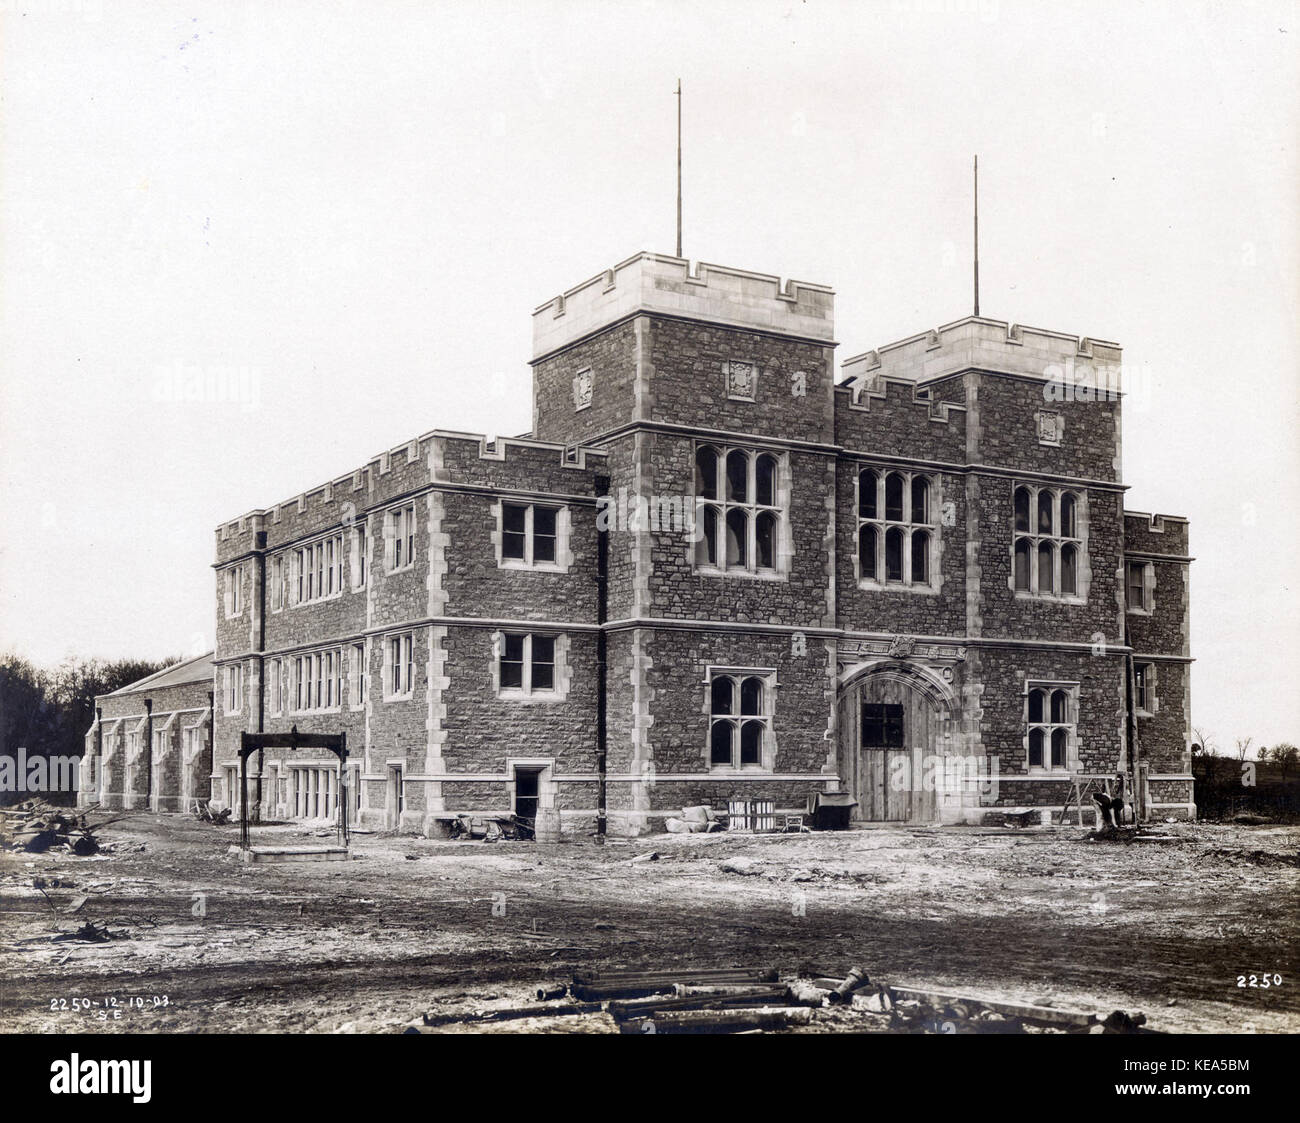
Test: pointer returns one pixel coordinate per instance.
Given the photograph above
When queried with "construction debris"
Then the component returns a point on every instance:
(36, 827)
(749, 1000)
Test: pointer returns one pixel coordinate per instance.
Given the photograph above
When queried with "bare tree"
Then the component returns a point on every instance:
(1286, 756)
(1241, 746)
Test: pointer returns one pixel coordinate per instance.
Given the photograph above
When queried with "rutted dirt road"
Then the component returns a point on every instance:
(413, 925)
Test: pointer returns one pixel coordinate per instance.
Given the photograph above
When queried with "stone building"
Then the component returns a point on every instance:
(150, 746)
(713, 571)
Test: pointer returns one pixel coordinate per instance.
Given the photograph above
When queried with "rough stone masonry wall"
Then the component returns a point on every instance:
(798, 598)
(898, 609)
(1004, 613)
(689, 383)
(1003, 725)
(611, 356)
(679, 708)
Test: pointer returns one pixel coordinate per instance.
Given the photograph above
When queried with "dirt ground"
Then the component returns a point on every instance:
(412, 925)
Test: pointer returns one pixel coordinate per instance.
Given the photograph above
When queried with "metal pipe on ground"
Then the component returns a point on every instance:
(725, 1021)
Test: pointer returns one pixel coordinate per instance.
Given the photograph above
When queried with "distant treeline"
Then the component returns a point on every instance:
(1226, 786)
(47, 712)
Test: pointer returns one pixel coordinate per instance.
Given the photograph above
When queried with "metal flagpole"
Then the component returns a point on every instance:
(976, 235)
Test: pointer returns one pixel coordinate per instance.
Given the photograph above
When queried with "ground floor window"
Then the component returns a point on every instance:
(1051, 715)
(315, 791)
(740, 718)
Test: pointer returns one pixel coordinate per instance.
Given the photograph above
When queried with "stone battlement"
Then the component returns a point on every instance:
(429, 451)
(984, 344)
(650, 282)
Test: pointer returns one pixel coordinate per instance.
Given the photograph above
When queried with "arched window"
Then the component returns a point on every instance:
(903, 519)
(706, 472)
(867, 481)
(1044, 512)
(1035, 705)
(1060, 706)
(706, 549)
(740, 708)
(742, 521)
(920, 500)
(723, 696)
(1060, 745)
(1044, 567)
(1035, 748)
(1069, 570)
(893, 554)
(765, 480)
(765, 539)
(1022, 509)
(1069, 506)
(737, 537)
(1022, 563)
(894, 497)
(867, 539)
(738, 476)
(720, 738)
(920, 557)
(1051, 711)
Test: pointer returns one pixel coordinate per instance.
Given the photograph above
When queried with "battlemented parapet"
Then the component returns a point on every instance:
(717, 294)
(977, 343)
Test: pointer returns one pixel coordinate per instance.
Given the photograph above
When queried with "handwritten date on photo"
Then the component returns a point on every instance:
(1259, 982)
(109, 1008)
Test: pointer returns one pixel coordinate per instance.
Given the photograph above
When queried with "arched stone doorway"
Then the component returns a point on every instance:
(896, 724)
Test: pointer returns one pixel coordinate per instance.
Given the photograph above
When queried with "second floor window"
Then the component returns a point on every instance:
(358, 683)
(1051, 713)
(1048, 550)
(738, 503)
(399, 676)
(360, 557)
(525, 662)
(319, 680)
(402, 537)
(896, 535)
(317, 570)
(235, 590)
(234, 688)
(529, 533)
(276, 581)
(1138, 584)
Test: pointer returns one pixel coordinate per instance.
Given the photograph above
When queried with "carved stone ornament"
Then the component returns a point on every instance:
(582, 389)
(741, 380)
(1051, 427)
(901, 647)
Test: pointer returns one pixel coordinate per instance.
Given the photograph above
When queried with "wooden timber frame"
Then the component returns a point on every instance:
(249, 743)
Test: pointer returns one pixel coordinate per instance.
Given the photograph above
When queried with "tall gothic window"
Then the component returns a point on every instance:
(739, 509)
(896, 528)
(1048, 547)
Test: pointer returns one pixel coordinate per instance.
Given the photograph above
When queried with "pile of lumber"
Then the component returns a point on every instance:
(749, 1000)
(36, 826)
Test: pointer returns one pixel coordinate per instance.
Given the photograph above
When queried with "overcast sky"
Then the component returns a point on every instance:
(344, 213)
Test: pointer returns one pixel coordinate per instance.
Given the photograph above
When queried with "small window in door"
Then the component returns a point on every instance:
(882, 726)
